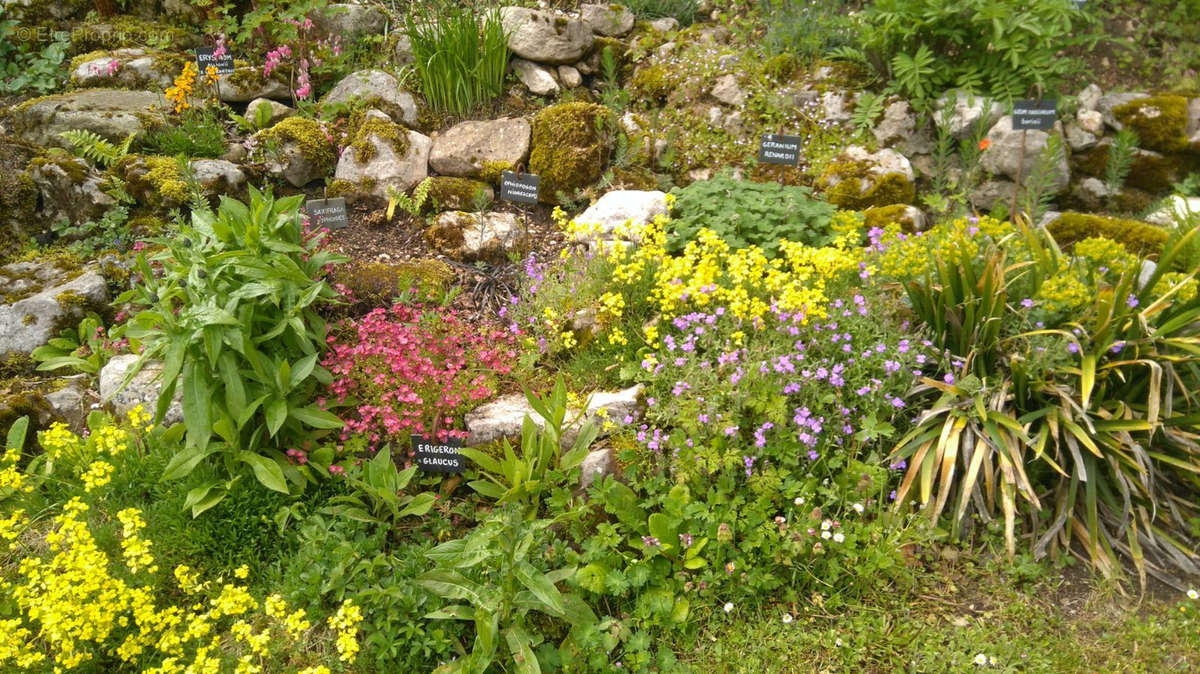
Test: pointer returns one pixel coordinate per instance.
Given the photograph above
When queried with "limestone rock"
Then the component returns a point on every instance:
(130, 68)
(1108, 102)
(544, 36)
(303, 153)
(143, 389)
(968, 112)
(503, 417)
(991, 192)
(859, 179)
(70, 189)
(111, 113)
(1193, 125)
(217, 176)
(537, 78)
(1003, 155)
(38, 300)
(728, 91)
(377, 88)
(664, 25)
(471, 148)
(834, 106)
(598, 464)
(248, 83)
(473, 237)
(898, 124)
(1089, 98)
(1091, 192)
(391, 156)
(1077, 138)
(569, 76)
(350, 21)
(1090, 121)
(279, 111)
(1176, 208)
(619, 208)
(608, 20)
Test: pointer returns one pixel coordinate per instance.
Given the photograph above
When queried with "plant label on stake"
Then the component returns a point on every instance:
(327, 213)
(1034, 115)
(206, 56)
(521, 188)
(779, 149)
(438, 457)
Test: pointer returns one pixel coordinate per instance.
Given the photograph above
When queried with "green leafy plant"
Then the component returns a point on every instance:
(490, 576)
(745, 213)
(809, 29)
(1040, 188)
(92, 147)
(411, 205)
(85, 349)
(1120, 159)
(866, 111)
(997, 47)
(378, 497)
(198, 134)
(541, 463)
(460, 53)
(683, 10)
(22, 68)
(234, 311)
(612, 95)
(257, 119)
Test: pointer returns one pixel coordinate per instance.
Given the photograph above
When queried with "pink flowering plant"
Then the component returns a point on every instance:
(414, 369)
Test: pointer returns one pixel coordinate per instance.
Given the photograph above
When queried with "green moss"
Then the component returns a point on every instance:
(340, 188)
(18, 196)
(489, 171)
(858, 189)
(457, 194)
(634, 179)
(75, 169)
(1139, 238)
(154, 181)
(308, 135)
(882, 216)
(569, 149)
(781, 68)
(652, 82)
(1160, 122)
(131, 31)
(375, 284)
(391, 133)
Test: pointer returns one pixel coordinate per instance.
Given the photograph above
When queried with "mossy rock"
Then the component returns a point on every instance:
(458, 194)
(793, 176)
(131, 31)
(307, 134)
(371, 285)
(652, 82)
(782, 68)
(18, 196)
(1138, 237)
(857, 188)
(1160, 122)
(570, 147)
(901, 214)
(1150, 171)
(157, 182)
(375, 127)
(634, 178)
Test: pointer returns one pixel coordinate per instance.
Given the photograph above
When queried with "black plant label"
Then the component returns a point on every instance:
(779, 149)
(438, 457)
(519, 187)
(206, 57)
(1031, 115)
(327, 213)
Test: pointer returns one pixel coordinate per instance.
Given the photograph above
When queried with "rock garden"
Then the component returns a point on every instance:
(652, 336)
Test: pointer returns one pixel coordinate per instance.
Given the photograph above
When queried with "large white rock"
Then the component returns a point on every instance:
(610, 20)
(537, 78)
(121, 67)
(472, 237)
(619, 209)
(39, 300)
(350, 21)
(144, 389)
(217, 176)
(386, 167)
(1176, 208)
(503, 417)
(378, 87)
(968, 112)
(247, 83)
(466, 149)
(545, 37)
(1004, 157)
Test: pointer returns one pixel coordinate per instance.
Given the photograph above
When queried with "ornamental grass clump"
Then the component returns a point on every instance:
(460, 54)
(414, 369)
(1073, 401)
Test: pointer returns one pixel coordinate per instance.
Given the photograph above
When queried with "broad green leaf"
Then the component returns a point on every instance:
(537, 583)
(266, 470)
(277, 413)
(315, 417)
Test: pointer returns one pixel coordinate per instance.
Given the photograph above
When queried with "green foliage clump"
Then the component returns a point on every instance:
(447, 193)
(999, 48)
(806, 30)
(682, 10)
(1138, 237)
(745, 213)
(652, 82)
(26, 68)
(233, 315)
(1160, 122)
(199, 134)
(369, 285)
(461, 54)
(858, 189)
(569, 149)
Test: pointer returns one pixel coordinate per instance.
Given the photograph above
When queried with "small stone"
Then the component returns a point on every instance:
(544, 36)
(607, 20)
(598, 464)
(727, 91)
(569, 77)
(1089, 98)
(1090, 121)
(664, 25)
(143, 389)
(1078, 139)
(536, 78)
(473, 237)
(279, 111)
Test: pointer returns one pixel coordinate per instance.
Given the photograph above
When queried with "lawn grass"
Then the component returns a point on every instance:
(1056, 622)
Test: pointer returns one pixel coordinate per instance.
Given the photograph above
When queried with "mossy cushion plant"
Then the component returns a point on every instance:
(745, 213)
(1138, 237)
(854, 185)
(308, 135)
(570, 148)
(1160, 122)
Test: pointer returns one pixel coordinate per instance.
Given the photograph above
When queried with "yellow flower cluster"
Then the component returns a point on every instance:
(98, 474)
(75, 608)
(909, 256)
(11, 477)
(1169, 280)
(711, 273)
(185, 84)
(60, 443)
(346, 621)
(1105, 254)
(1064, 292)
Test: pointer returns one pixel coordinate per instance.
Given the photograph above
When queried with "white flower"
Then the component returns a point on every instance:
(1192, 594)
(799, 501)
(838, 537)
(992, 660)
(826, 524)
(858, 507)
(787, 618)
(981, 659)
(826, 535)
(728, 606)
(837, 642)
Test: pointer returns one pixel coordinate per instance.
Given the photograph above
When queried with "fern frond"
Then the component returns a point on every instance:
(92, 147)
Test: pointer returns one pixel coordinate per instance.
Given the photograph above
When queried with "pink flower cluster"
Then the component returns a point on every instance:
(414, 369)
